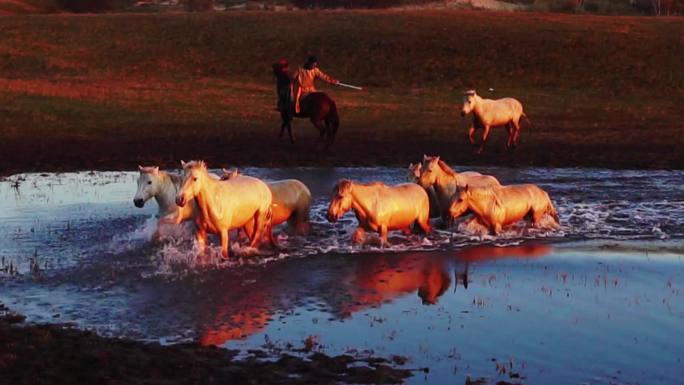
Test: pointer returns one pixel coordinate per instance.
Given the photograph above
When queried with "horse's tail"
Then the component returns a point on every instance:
(269, 227)
(553, 212)
(333, 119)
(529, 122)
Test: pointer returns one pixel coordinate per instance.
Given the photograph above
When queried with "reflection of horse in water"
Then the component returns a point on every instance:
(240, 304)
(317, 106)
(490, 253)
(384, 278)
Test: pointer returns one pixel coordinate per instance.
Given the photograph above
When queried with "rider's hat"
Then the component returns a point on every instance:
(310, 62)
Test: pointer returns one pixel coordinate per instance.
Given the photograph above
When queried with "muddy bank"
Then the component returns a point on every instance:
(54, 354)
(115, 153)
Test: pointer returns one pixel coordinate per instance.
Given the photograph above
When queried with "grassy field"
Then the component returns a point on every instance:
(112, 91)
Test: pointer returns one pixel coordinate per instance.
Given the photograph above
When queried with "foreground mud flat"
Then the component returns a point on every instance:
(57, 354)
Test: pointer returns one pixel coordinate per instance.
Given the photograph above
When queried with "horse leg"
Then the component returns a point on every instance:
(289, 131)
(471, 134)
(383, 236)
(301, 221)
(511, 133)
(496, 228)
(248, 230)
(201, 237)
(516, 135)
(329, 133)
(359, 236)
(485, 136)
(225, 243)
(258, 229)
(424, 224)
(321, 130)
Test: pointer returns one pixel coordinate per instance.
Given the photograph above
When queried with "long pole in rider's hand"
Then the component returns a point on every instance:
(348, 86)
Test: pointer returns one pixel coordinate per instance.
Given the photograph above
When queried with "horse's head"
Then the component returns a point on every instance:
(148, 185)
(469, 99)
(196, 175)
(341, 200)
(459, 205)
(414, 172)
(429, 171)
(230, 174)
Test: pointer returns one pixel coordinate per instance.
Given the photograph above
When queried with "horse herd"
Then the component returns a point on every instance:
(233, 201)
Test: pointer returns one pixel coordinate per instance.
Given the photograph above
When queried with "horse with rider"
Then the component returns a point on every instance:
(299, 98)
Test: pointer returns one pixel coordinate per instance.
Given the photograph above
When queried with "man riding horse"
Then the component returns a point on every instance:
(305, 78)
(283, 84)
(307, 102)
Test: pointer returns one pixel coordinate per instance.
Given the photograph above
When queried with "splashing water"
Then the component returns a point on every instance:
(81, 216)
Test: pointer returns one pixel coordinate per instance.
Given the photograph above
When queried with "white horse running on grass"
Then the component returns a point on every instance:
(488, 113)
(163, 187)
(226, 205)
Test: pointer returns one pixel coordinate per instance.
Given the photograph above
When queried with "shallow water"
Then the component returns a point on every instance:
(597, 301)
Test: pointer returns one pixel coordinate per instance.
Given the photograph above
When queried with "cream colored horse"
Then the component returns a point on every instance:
(446, 182)
(495, 207)
(414, 177)
(489, 113)
(163, 186)
(291, 203)
(226, 205)
(381, 208)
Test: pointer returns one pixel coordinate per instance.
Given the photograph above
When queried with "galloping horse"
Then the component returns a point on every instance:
(488, 113)
(163, 187)
(381, 208)
(317, 106)
(291, 203)
(226, 205)
(446, 182)
(497, 206)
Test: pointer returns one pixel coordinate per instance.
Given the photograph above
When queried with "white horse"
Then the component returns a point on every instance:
(381, 208)
(291, 202)
(163, 186)
(414, 177)
(226, 205)
(488, 113)
(436, 174)
(495, 207)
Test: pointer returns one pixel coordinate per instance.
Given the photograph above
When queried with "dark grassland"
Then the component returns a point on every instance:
(112, 91)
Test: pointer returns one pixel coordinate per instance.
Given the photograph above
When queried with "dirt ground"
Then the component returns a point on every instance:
(112, 91)
(54, 354)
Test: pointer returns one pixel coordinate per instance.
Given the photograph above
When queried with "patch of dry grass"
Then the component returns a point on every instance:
(600, 91)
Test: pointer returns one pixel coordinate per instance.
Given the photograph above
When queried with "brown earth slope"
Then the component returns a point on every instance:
(112, 91)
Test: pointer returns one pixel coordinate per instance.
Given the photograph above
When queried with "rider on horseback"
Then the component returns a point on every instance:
(283, 85)
(304, 79)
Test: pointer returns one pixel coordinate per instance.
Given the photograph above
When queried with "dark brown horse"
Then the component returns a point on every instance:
(317, 106)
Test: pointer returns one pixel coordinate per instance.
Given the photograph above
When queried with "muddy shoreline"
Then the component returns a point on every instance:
(102, 154)
(59, 354)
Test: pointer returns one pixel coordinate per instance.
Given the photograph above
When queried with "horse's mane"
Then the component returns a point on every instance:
(175, 178)
(445, 167)
(195, 163)
(370, 184)
(347, 182)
